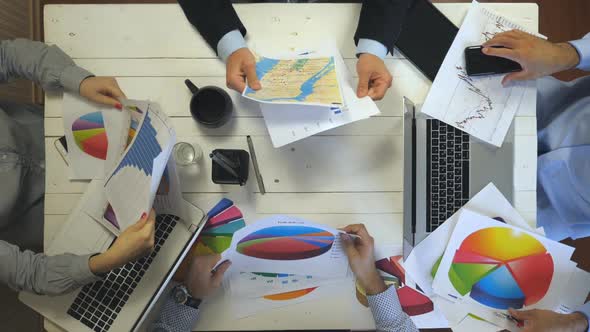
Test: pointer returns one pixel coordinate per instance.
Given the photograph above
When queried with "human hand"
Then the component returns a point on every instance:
(361, 257)
(374, 78)
(241, 64)
(135, 242)
(200, 279)
(546, 320)
(536, 56)
(103, 90)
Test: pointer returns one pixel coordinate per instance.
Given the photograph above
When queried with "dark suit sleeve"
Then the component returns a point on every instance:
(382, 20)
(212, 18)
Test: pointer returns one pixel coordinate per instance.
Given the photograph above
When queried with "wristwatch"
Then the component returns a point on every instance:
(182, 296)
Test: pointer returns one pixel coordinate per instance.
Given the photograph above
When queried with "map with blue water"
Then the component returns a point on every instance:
(311, 81)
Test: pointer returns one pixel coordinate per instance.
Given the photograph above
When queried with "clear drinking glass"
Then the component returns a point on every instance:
(186, 154)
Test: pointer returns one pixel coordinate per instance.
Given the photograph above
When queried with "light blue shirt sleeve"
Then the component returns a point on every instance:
(388, 314)
(585, 310)
(229, 43)
(583, 48)
(371, 46)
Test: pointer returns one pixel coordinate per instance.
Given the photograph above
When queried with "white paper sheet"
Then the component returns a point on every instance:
(471, 222)
(252, 285)
(480, 105)
(285, 244)
(244, 307)
(84, 128)
(81, 231)
(132, 185)
(488, 202)
(290, 123)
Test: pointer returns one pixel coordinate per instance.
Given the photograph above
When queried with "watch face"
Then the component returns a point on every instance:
(180, 296)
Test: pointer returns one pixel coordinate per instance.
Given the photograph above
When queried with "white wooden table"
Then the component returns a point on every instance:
(338, 177)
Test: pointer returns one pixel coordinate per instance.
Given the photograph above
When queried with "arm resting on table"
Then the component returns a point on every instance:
(47, 65)
(175, 317)
(41, 274)
(388, 313)
(214, 20)
(381, 21)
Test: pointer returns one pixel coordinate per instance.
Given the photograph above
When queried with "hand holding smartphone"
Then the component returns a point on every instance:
(478, 64)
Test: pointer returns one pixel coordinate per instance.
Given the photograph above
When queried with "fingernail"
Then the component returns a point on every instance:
(119, 106)
(485, 50)
(143, 215)
(344, 236)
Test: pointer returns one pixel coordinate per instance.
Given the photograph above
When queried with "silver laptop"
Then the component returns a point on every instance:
(124, 298)
(443, 168)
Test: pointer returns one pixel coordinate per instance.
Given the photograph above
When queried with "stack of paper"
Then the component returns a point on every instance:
(307, 93)
(486, 259)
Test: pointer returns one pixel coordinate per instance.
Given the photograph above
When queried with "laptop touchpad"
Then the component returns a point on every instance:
(490, 164)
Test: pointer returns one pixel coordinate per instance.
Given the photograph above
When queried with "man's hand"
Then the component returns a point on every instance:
(135, 242)
(536, 56)
(545, 320)
(103, 90)
(374, 78)
(241, 65)
(200, 280)
(362, 259)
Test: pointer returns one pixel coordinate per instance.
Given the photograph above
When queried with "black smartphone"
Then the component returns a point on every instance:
(477, 63)
(61, 145)
(426, 36)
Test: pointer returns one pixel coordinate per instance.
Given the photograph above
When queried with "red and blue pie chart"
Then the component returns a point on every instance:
(286, 243)
(502, 268)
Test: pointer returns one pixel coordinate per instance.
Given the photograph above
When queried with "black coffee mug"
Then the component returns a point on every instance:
(210, 106)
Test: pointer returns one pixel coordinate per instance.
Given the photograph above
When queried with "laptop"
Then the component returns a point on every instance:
(443, 168)
(125, 296)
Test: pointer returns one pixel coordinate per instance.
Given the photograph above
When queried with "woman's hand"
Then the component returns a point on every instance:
(103, 90)
(135, 242)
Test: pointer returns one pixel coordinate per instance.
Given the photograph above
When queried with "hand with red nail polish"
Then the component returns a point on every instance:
(103, 90)
(135, 242)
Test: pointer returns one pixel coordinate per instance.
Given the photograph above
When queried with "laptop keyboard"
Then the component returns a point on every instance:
(98, 304)
(447, 167)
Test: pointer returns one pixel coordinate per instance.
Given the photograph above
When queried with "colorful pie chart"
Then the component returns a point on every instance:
(286, 243)
(502, 268)
(90, 135)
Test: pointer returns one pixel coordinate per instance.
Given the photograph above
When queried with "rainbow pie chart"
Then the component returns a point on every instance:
(502, 268)
(286, 243)
(90, 135)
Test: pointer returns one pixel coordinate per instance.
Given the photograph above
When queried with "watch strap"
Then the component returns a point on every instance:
(192, 302)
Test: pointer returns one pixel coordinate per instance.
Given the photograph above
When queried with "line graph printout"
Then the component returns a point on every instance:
(480, 106)
(132, 185)
(302, 81)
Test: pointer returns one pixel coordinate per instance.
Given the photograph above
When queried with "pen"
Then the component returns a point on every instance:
(222, 161)
(255, 164)
(354, 236)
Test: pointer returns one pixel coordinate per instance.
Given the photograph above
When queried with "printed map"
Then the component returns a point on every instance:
(297, 81)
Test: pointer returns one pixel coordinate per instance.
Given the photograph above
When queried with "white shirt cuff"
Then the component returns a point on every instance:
(229, 43)
(371, 46)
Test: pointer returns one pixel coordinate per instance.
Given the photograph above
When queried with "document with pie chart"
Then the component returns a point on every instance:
(84, 128)
(285, 244)
(493, 266)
